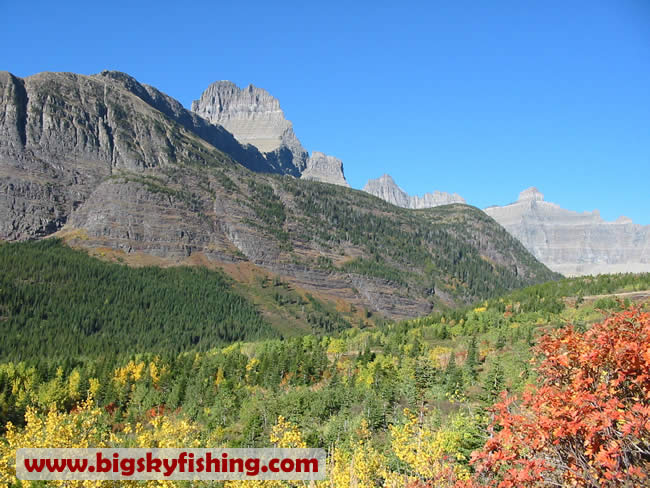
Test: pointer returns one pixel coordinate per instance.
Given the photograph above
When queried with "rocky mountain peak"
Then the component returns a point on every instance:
(530, 194)
(328, 169)
(255, 117)
(623, 220)
(574, 243)
(251, 114)
(385, 188)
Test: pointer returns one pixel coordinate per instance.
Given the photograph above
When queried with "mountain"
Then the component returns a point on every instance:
(254, 117)
(328, 169)
(575, 243)
(118, 168)
(385, 188)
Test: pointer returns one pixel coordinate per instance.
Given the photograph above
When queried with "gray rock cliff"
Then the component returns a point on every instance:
(328, 169)
(254, 117)
(574, 243)
(385, 188)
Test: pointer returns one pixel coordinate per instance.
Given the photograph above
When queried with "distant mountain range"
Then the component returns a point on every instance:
(575, 243)
(567, 242)
(105, 161)
(386, 189)
(123, 170)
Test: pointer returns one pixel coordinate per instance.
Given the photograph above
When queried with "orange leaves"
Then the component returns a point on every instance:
(588, 423)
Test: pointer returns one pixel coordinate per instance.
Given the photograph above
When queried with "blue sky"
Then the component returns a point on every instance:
(475, 97)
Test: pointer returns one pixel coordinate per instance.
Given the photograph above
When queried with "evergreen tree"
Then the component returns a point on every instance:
(472, 360)
(495, 383)
(453, 376)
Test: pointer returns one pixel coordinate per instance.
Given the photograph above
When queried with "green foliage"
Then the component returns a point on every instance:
(376, 267)
(269, 209)
(337, 384)
(433, 251)
(55, 301)
(494, 383)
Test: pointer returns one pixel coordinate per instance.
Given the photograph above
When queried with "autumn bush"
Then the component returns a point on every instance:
(587, 423)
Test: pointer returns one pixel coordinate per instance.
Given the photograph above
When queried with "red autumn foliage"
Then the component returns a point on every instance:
(156, 411)
(587, 423)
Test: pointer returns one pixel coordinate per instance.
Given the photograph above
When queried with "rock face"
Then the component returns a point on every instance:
(255, 118)
(106, 162)
(328, 169)
(386, 189)
(574, 243)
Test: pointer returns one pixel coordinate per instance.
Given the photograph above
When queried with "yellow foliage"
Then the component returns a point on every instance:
(93, 387)
(285, 434)
(363, 467)
(132, 372)
(336, 347)
(430, 453)
(219, 377)
(77, 429)
(73, 385)
(437, 354)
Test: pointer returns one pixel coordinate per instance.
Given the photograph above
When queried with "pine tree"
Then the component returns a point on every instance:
(453, 376)
(495, 383)
(472, 360)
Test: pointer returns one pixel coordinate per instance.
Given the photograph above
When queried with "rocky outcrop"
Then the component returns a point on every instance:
(386, 189)
(328, 169)
(107, 162)
(255, 118)
(574, 243)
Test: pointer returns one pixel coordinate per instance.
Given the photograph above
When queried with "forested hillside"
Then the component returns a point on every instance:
(404, 402)
(55, 301)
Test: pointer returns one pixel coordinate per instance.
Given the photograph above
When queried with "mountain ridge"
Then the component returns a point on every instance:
(88, 159)
(385, 188)
(574, 243)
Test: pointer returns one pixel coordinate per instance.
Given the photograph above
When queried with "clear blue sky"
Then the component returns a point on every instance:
(481, 98)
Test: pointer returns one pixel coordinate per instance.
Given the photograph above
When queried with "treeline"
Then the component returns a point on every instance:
(55, 301)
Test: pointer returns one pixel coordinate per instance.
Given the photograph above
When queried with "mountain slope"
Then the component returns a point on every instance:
(106, 162)
(55, 299)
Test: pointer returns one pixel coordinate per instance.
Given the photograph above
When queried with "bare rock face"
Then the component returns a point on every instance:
(104, 161)
(386, 189)
(328, 169)
(255, 118)
(574, 243)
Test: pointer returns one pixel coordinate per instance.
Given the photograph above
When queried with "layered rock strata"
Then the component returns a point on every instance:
(574, 243)
(255, 118)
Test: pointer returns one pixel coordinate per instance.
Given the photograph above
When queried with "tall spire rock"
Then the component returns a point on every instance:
(385, 188)
(254, 117)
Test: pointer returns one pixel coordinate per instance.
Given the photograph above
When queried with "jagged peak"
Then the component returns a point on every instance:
(529, 194)
(387, 177)
(325, 168)
(385, 188)
(384, 179)
(624, 220)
